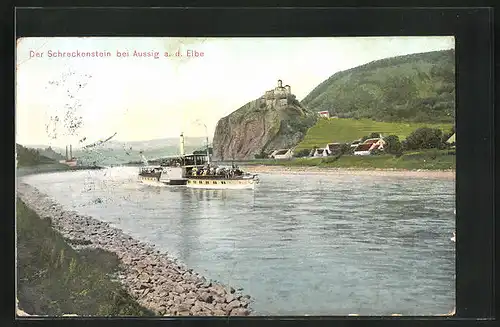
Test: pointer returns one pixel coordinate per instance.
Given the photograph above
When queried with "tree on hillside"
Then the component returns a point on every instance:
(204, 151)
(302, 153)
(30, 157)
(261, 155)
(346, 148)
(424, 138)
(393, 145)
(399, 89)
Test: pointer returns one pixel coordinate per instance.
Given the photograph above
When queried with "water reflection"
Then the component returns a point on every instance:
(188, 227)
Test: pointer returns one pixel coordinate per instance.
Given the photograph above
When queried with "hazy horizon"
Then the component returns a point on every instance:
(116, 141)
(147, 99)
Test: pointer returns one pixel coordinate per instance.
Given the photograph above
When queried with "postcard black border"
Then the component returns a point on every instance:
(473, 29)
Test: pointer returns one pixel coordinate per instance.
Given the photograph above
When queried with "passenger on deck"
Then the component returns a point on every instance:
(194, 171)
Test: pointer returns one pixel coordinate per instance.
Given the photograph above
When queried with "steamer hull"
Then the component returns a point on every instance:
(161, 176)
(173, 176)
(222, 183)
(152, 181)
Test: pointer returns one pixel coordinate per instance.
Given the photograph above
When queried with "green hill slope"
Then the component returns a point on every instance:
(347, 130)
(51, 154)
(31, 157)
(412, 88)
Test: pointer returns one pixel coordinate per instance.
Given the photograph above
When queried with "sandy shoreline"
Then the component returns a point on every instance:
(426, 174)
(153, 279)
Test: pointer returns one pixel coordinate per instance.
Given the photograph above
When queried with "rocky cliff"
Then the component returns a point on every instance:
(261, 126)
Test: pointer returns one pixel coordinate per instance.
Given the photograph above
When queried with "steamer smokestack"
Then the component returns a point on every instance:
(70, 152)
(67, 152)
(182, 144)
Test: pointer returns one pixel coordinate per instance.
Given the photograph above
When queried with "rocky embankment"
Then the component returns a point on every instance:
(156, 281)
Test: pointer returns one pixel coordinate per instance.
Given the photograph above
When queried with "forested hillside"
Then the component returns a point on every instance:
(30, 157)
(412, 88)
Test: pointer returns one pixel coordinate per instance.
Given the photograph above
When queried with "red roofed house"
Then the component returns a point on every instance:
(325, 114)
(366, 148)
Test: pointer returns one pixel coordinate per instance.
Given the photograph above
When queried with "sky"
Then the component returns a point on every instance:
(145, 98)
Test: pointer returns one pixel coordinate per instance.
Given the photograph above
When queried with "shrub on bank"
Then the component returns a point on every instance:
(424, 138)
(302, 153)
(393, 145)
(53, 278)
(261, 155)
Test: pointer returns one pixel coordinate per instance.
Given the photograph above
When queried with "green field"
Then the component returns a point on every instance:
(343, 130)
(429, 159)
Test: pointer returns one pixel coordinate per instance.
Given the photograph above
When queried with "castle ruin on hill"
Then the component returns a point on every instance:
(279, 96)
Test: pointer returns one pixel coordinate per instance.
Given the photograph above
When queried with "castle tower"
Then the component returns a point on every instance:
(280, 83)
(288, 89)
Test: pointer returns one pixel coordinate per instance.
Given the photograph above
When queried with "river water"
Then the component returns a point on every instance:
(298, 244)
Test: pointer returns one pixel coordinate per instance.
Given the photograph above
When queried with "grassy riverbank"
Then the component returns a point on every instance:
(426, 160)
(54, 279)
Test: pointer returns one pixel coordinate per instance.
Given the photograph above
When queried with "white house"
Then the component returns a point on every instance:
(320, 152)
(325, 114)
(452, 140)
(282, 154)
(329, 149)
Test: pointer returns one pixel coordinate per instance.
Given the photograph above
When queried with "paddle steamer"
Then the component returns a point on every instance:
(196, 171)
